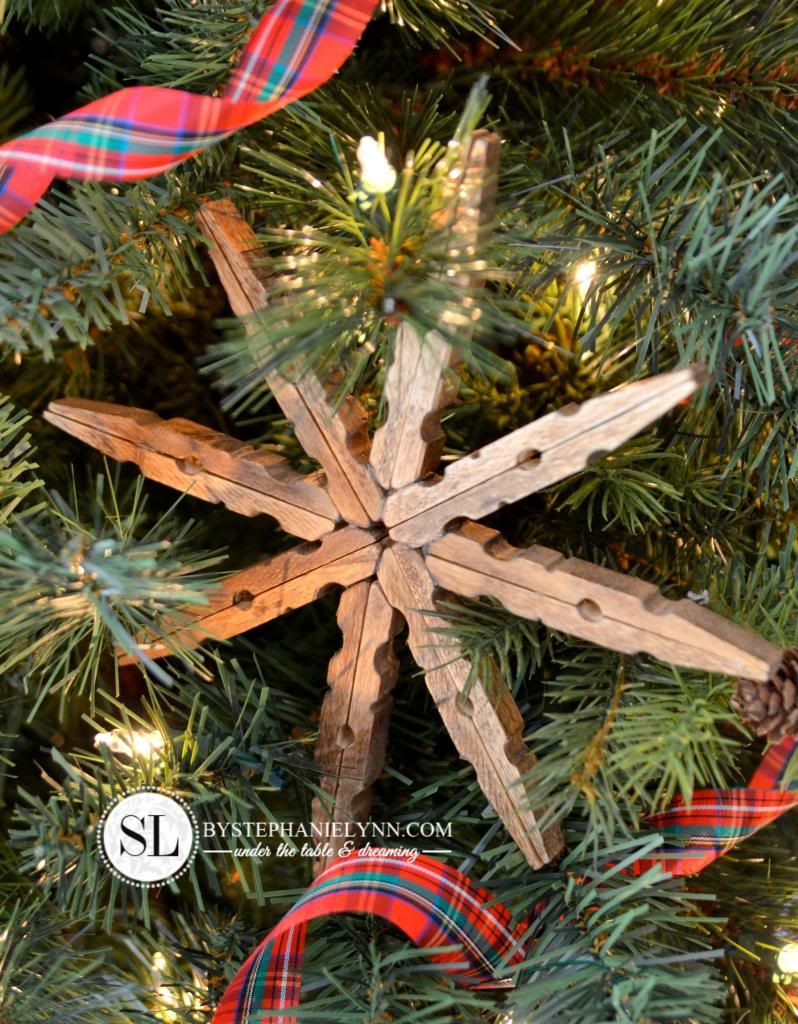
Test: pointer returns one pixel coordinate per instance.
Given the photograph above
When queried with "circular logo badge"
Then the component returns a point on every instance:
(148, 836)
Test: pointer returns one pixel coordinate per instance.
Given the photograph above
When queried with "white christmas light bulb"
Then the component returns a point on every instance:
(376, 174)
(584, 274)
(147, 742)
(788, 959)
(142, 743)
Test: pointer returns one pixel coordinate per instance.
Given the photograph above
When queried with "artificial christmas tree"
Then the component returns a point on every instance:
(644, 220)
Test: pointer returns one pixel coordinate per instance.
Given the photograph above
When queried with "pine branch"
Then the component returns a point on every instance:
(610, 947)
(705, 269)
(12, 713)
(49, 971)
(737, 54)
(493, 639)
(17, 479)
(177, 44)
(627, 487)
(220, 743)
(759, 587)
(437, 21)
(72, 591)
(92, 259)
(630, 736)
(757, 444)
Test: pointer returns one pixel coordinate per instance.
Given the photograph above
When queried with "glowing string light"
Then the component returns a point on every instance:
(141, 744)
(173, 1003)
(377, 176)
(584, 274)
(787, 960)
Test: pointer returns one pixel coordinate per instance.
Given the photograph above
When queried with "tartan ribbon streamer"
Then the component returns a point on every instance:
(433, 904)
(717, 819)
(145, 130)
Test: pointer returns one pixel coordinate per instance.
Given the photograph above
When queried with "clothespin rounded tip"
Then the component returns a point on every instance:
(701, 374)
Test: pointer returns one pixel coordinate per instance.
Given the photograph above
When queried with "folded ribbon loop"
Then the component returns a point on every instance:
(433, 904)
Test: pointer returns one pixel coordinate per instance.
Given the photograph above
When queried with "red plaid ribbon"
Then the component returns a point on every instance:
(433, 904)
(139, 132)
(718, 819)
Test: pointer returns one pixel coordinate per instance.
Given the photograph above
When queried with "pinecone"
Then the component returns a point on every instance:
(770, 708)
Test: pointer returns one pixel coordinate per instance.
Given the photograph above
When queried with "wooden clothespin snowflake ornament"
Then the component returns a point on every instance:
(395, 537)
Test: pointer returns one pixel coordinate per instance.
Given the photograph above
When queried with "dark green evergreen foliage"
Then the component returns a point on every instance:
(46, 17)
(646, 217)
(56, 973)
(14, 102)
(89, 268)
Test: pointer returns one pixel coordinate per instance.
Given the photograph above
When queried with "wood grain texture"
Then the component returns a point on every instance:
(336, 437)
(353, 731)
(276, 585)
(417, 388)
(596, 604)
(533, 456)
(418, 385)
(487, 731)
(203, 462)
